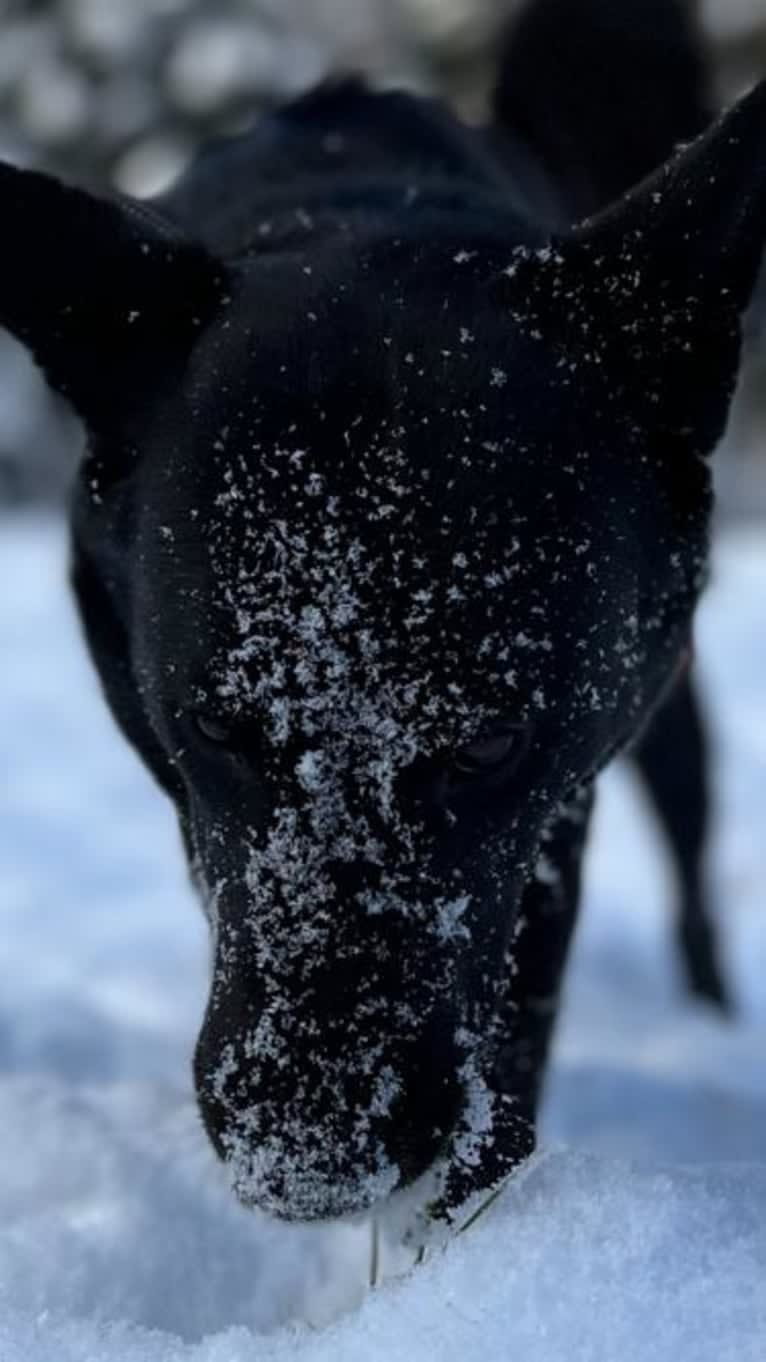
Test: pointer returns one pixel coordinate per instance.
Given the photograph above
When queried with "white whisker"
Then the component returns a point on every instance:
(374, 1252)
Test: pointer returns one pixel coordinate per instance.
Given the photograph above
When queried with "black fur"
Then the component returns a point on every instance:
(603, 92)
(560, 74)
(388, 537)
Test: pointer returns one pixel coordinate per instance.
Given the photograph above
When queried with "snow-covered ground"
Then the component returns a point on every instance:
(639, 1233)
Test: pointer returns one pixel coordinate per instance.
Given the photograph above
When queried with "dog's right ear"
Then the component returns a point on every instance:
(105, 293)
(666, 275)
(643, 304)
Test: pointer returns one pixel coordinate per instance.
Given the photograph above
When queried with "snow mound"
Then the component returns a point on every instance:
(119, 1241)
(118, 1244)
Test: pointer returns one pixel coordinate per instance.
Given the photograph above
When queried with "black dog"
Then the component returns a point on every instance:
(389, 535)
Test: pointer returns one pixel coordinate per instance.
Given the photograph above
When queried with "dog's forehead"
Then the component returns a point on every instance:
(384, 519)
(352, 585)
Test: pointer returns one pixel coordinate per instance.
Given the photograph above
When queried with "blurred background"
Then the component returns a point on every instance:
(120, 93)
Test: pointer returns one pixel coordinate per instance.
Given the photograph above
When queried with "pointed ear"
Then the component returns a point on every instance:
(663, 277)
(106, 294)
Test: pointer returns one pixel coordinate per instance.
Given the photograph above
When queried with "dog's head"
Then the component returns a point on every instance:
(383, 549)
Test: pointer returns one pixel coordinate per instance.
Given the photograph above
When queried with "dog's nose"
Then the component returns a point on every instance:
(312, 1133)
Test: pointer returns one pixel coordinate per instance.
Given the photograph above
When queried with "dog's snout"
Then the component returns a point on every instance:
(330, 1134)
(431, 1100)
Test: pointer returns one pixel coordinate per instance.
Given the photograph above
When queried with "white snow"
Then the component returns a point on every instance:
(640, 1231)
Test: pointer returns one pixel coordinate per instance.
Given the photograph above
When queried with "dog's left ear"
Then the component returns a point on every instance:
(105, 293)
(655, 287)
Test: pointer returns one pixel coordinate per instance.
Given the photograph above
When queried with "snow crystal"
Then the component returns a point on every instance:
(448, 917)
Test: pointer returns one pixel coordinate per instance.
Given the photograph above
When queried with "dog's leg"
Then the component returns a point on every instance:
(548, 918)
(672, 759)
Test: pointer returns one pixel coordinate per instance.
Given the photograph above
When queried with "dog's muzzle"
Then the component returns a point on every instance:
(319, 1116)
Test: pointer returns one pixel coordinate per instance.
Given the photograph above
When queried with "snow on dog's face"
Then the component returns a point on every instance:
(389, 627)
(385, 542)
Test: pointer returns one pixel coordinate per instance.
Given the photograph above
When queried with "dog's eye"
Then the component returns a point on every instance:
(214, 730)
(489, 754)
